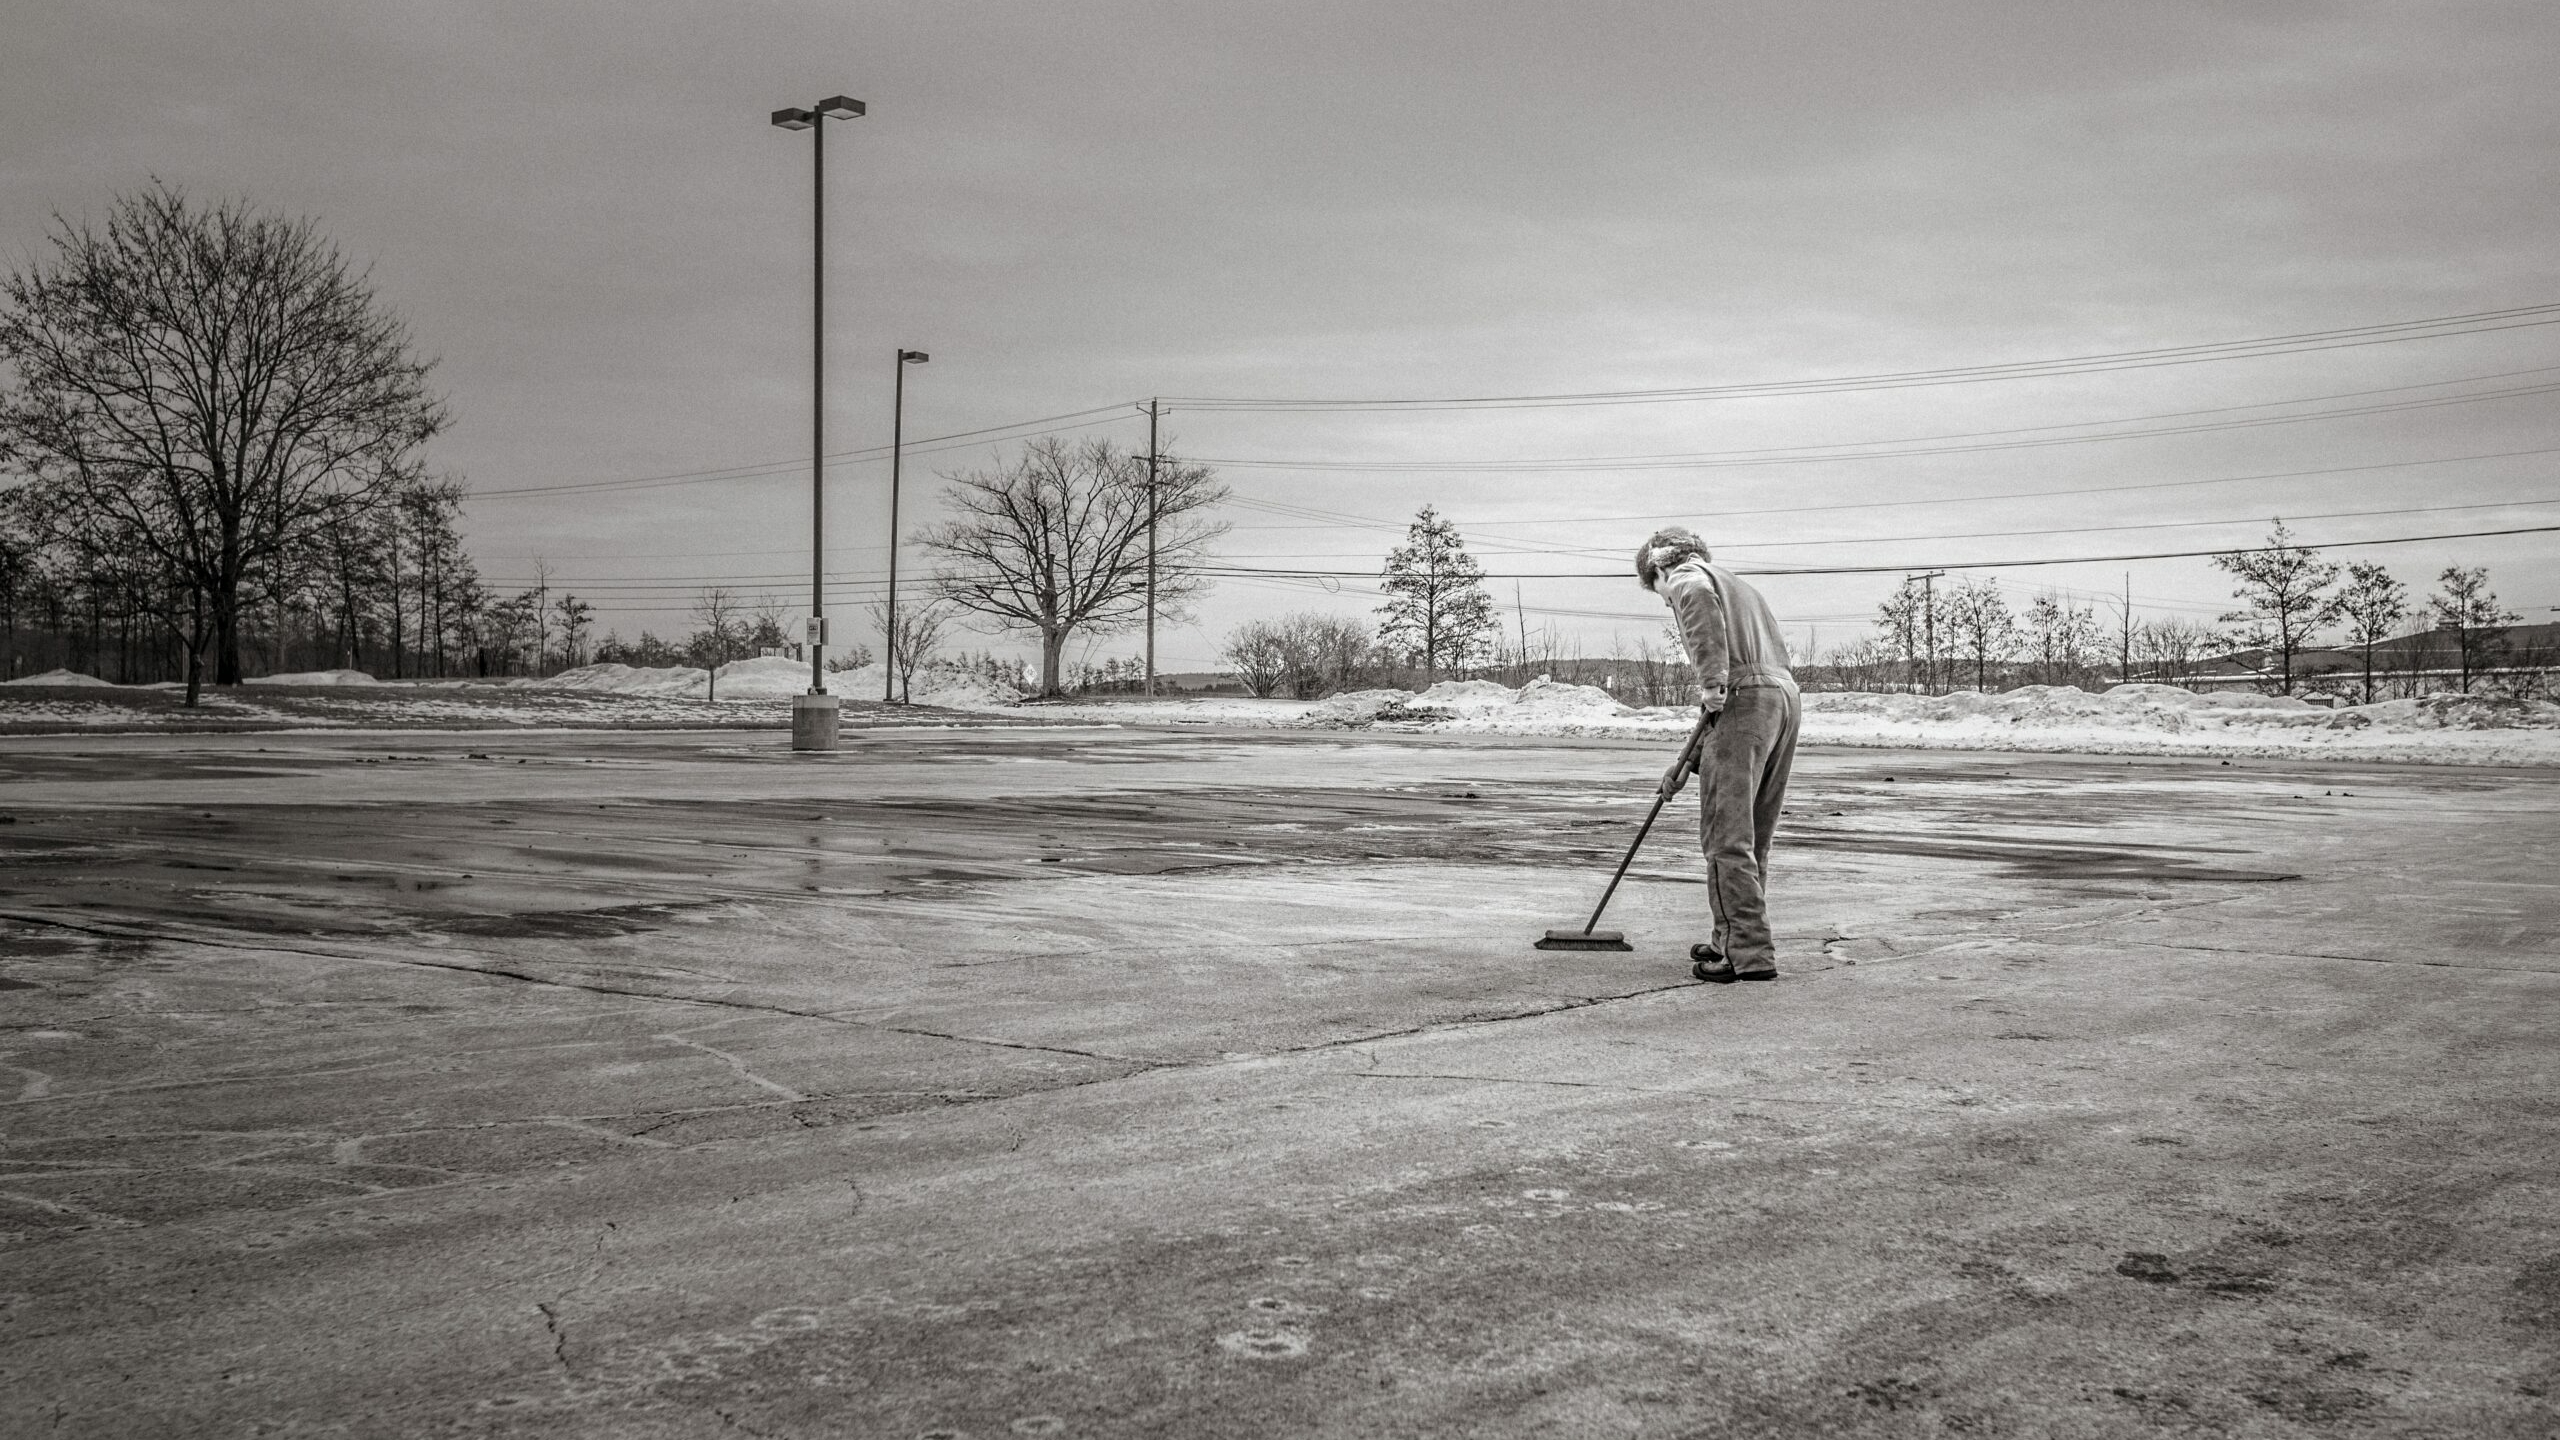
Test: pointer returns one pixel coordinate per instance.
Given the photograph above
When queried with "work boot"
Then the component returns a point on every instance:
(1712, 966)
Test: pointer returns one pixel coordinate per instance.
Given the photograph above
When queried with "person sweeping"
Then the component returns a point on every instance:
(1743, 682)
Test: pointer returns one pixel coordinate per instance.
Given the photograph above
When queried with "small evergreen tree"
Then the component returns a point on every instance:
(1437, 609)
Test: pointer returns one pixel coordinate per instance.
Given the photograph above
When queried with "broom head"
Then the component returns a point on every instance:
(1584, 940)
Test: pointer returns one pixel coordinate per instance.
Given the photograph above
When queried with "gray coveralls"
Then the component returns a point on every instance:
(1733, 639)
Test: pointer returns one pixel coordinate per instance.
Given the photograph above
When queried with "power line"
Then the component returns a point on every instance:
(768, 577)
(2136, 525)
(1279, 572)
(2432, 327)
(931, 444)
(1346, 520)
(1860, 450)
(1945, 564)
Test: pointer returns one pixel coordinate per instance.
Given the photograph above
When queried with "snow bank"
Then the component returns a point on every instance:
(1541, 707)
(777, 677)
(952, 690)
(58, 677)
(766, 677)
(2125, 720)
(664, 682)
(2169, 710)
(316, 677)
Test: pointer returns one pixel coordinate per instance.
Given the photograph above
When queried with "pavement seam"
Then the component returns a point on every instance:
(419, 963)
(2321, 955)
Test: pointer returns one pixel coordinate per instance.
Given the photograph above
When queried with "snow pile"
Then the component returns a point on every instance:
(778, 677)
(2450, 712)
(1541, 707)
(766, 677)
(316, 677)
(2166, 720)
(950, 689)
(2126, 720)
(662, 682)
(2165, 708)
(58, 677)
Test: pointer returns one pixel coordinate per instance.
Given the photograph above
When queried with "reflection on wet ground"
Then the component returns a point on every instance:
(493, 865)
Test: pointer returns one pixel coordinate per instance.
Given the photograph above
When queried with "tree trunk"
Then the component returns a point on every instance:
(195, 648)
(1053, 644)
(226, 636)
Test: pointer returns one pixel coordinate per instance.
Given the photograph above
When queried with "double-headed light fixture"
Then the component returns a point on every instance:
(814, 715)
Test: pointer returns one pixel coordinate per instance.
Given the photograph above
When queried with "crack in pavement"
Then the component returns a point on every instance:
(559, 1336)
(1516, 1080)
(2353, 959)
(548, 982)
(736, 1065)
(1144, 1064)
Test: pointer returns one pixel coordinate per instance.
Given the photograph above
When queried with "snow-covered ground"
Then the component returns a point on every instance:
(2125, 720)
(772, 677)
(316, 677)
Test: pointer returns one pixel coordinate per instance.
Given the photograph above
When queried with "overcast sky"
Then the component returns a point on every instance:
(582, 209)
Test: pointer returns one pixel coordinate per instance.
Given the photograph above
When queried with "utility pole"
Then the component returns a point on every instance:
(1154, 409)
(2124, 658)
(1929, 624)
(897, 448)
(1520, 613)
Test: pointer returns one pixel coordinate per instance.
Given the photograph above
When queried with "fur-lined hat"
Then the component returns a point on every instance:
(1667, 548)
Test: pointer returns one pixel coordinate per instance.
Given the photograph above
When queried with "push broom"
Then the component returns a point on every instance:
(1587, 938)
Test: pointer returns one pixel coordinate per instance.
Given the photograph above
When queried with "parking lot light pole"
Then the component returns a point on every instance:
(814, 716)
(897, 447)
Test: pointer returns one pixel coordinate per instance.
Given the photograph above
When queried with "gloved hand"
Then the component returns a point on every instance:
(1677, 776)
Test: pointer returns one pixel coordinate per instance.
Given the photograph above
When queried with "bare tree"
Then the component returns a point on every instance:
(1311, 654)
(2464, 604)
(722, 629)
(2062, 637)
(218, 379)
(1329, 653)
(1253, 650)
(770, 628)
(1898, 624)
(913, 643)
(2373, 605)
(1436, 609)
(1056, 542)
(2285, 587)
(2174, 648)
(1979, 622)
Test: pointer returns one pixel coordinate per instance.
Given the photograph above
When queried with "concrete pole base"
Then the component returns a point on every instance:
(813, 722)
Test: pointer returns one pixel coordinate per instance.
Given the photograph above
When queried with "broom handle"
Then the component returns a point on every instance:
(1688, 756)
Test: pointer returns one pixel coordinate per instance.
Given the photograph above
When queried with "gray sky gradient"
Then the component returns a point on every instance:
(581, 208)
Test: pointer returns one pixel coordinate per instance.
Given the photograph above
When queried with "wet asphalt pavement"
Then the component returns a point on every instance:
(1078, 1082)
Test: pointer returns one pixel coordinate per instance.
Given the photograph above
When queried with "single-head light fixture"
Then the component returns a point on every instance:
(840, 107)
(912, 357)
(794, 119)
